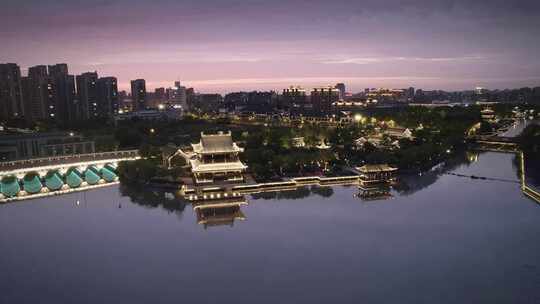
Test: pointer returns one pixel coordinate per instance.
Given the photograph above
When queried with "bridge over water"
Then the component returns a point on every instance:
(495, 143)
(30, 178)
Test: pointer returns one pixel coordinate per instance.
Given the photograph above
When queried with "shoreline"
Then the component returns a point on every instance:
(55, 193)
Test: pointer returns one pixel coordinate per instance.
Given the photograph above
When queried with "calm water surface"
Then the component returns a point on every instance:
(440, 239)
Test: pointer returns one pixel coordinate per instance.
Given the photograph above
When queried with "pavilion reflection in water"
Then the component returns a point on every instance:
(374, 193)
(219, 212)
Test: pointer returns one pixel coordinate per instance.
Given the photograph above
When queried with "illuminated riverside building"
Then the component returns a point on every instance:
(215, 158)
(386, 94)
(375, 181)
(376, 175)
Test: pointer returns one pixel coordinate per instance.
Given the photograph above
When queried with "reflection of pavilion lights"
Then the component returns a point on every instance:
(77, 203)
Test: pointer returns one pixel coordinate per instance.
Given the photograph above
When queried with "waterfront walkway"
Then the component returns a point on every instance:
(206, 192)
(65, 159)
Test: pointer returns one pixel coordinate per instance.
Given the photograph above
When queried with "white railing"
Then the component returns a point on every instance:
(15, 164)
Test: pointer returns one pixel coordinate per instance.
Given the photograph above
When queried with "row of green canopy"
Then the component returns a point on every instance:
(10, 186)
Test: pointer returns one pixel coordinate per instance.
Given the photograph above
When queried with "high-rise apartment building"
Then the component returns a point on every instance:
(87, 95)
(65, 93)
(341, 88)
(108, 104)
(138, 94)
(11, 96)
(39, 94)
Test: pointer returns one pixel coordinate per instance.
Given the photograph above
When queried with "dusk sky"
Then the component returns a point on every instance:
(228, 45)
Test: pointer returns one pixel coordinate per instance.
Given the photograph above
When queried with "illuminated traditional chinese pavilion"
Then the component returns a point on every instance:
(376, 175)
(216, 158)
(375, 181)
(488, 115)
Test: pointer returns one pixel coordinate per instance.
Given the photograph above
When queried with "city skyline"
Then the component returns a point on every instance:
(248, 45)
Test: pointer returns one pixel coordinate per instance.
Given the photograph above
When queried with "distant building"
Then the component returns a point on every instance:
(87, 95)
(260, 102)
(160, 94)
(58, 69)
(168, 114)
(178, 95)
(410, 93)
(108, 105)
(323, 98)
(208, 103)
(138, 94)
(236, 101)
(65, 93)
(386, 94)
(341, 88)
(36, 145)
(190, 98)
(480, 91)
(39, 94)
(11, 95)
(293, 97)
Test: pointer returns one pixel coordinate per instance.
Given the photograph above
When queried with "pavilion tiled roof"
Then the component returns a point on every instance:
(216, 143)
(376, 168)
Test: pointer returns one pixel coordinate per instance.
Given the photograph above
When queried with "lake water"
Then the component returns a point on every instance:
(440, 239)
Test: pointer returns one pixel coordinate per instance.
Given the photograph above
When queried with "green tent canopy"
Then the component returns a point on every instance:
(73, 178)
(111, 167)
(10, 186)
(108, 174)
(53, 180)
(32, 183)
(91, 175)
